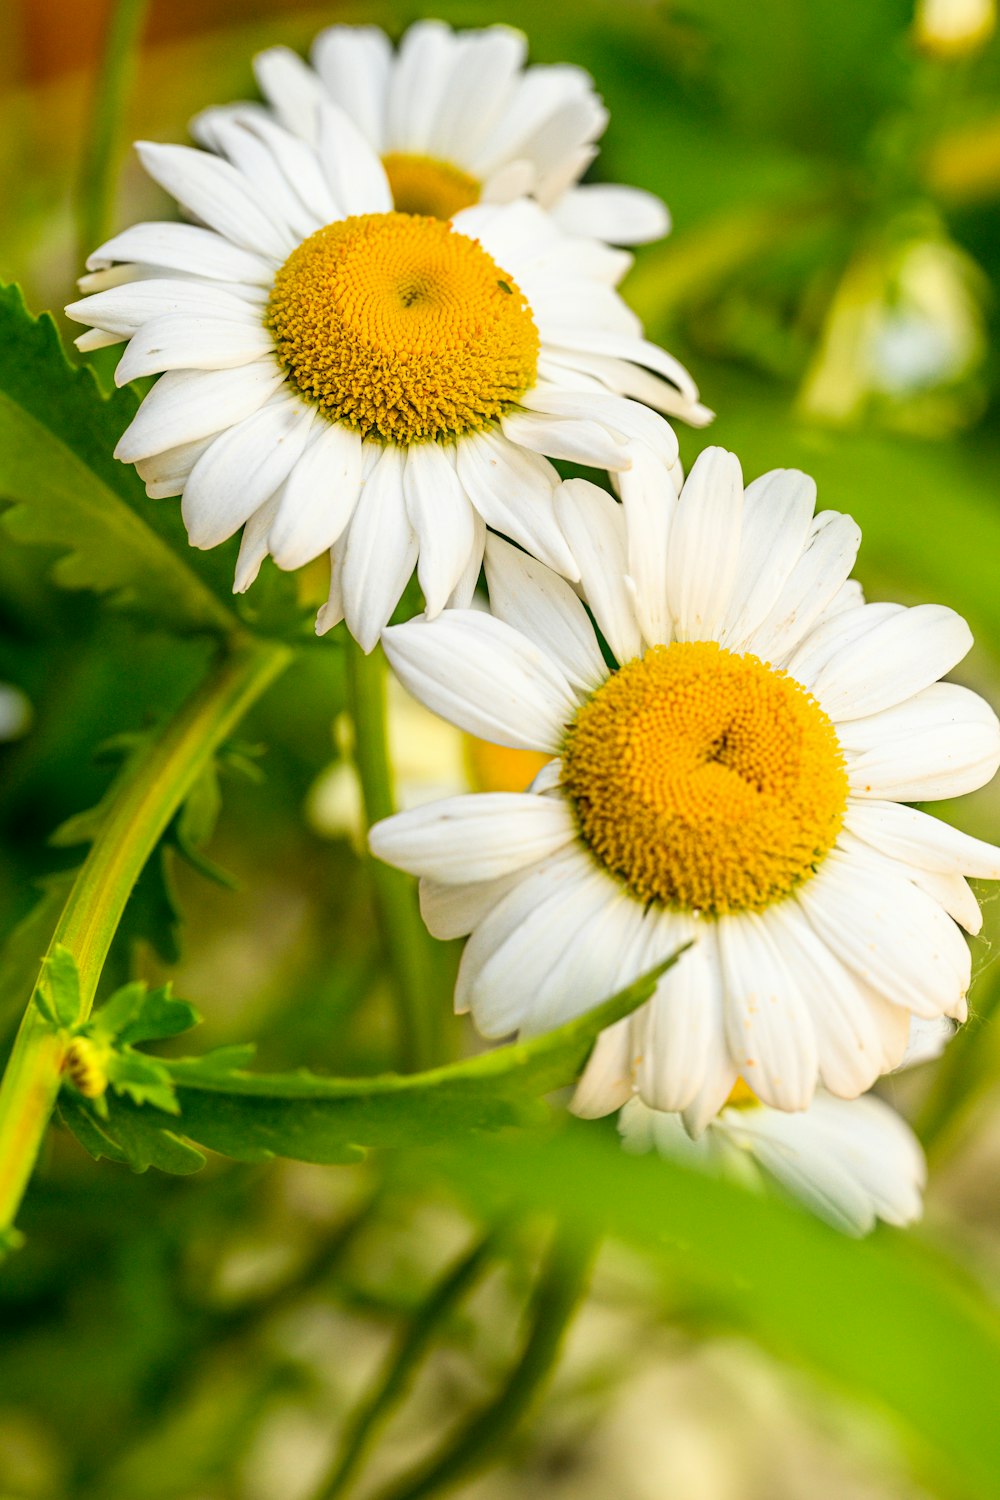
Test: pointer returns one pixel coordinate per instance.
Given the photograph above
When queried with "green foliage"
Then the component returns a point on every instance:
(57, 435)
(251, 1116)
(886, 1320)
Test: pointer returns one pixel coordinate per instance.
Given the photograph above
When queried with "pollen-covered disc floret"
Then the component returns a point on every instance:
(704, 779)
(401, 327)
(424, 185)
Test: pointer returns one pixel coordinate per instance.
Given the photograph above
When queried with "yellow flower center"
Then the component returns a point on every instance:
(741, 1096)
(423, 185)
(402, 328)
(706, 781)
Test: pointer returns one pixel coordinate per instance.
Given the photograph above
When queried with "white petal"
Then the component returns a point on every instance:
(543, 607)
(186, 248)
(188, 404)
(318, 498)
(594, 527)
(284, 168)
(242, 469)
(814, 581)
(380, 550)
(419, 78)
(889, 934)
(605, 211)
(571, 439)
(891, 660)
(124, 309)
(719, 1069)
(354, 63)
(175, 342)
(513, 492)
(451, 911)
(561, 959)
(356, 176)
(649, 501)
(917, 838)
(672, 1034)
(443, 519)
(476, 837)
(552, 880)
(705, 546)
(219, 195)
(770, 1031)
(606, 1081)
(464, 591)
(485, 677)
(291, 88)
(777, 513)
(479, 84)
(167, 473)
(942, 742)
(849, 1040)
(253, 545)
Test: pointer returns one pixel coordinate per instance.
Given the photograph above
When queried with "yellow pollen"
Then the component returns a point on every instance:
(706, 781)
(423, 185)
(741, 1096)
(402, 328)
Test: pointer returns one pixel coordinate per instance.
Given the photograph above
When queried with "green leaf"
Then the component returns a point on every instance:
(889, 1320)
(59, 991)
(160, 1015)
(78, 1117)
(143, 1079)
(250, 1116)
(57, 435)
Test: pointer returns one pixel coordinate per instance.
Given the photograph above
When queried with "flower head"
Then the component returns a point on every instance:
(457, 118)
(735, 777)
(338, 374)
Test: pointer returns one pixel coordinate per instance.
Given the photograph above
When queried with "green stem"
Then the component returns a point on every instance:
(395, 899)
(152, 790)
(561, 1285)
(95, 192)
(395, 1382)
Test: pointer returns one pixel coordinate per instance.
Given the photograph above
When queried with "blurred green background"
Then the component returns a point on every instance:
(831, 282)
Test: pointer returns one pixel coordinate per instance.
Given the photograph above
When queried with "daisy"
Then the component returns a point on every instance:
(458, 119)
(340, 374)
(733, 780)
(851, 1161)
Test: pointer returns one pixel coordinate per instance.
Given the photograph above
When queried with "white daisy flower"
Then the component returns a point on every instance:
(851, 1161)
(342, 375)
(736, 781)
(458, 119)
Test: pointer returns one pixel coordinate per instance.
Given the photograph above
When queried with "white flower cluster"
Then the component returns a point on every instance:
(392, 309)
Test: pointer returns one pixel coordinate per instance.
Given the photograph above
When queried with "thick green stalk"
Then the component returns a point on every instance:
(561, 1285)
(385, 1396)
(97, 171)
(395, 899)
(151, 791)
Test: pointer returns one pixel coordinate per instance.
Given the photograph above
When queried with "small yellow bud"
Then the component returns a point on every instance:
(84, 1066)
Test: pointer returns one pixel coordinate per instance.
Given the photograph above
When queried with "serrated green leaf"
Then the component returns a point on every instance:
(23, 950)
(60, 987)
(143, 1079)
(79, 1120)
(57, 435)
(117, 1011)
(145, 1142)
(160, 1015)
(251, 1115)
